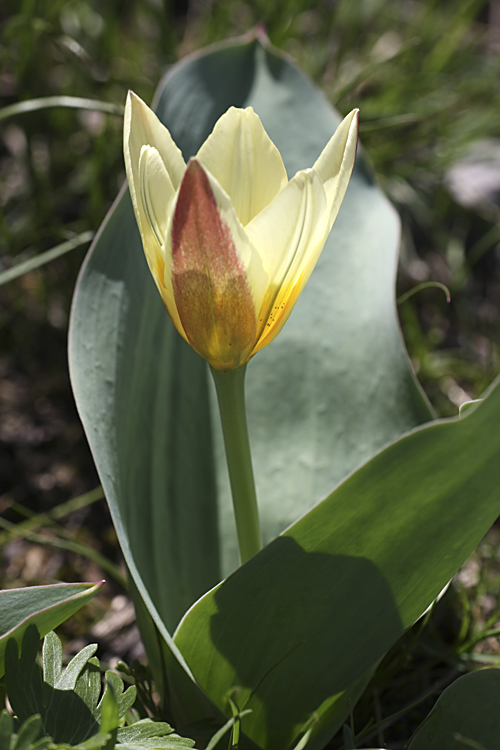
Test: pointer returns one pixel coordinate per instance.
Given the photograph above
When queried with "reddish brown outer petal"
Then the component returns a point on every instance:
(210, 286)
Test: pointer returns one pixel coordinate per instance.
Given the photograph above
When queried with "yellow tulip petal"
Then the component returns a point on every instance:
(244, 161)
(289, 235)
(335, 163)
(215, 276)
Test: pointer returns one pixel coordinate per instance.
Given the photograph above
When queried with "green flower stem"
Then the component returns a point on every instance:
(230, 388)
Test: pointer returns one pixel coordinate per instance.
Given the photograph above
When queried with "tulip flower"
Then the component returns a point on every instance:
(229, 240)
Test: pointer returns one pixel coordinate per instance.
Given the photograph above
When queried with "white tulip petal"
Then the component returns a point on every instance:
(244, 161)
(155, 191)
(143, 128)
(335, 163)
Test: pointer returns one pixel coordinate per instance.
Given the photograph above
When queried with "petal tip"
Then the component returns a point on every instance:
(194, 168)
(354, 120)
(355, 126)
(133, 100)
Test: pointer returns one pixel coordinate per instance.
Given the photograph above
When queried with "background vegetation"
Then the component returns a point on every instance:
(424, 74)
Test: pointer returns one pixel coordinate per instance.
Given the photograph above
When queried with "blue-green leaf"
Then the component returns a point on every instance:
(45, 606)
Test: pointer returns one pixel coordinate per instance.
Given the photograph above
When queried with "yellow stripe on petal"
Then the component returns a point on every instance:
(289, 235)
(335, 163)
(211, 288)
(244, 161)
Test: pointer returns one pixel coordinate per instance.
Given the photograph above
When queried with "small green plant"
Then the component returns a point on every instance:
(56, 709)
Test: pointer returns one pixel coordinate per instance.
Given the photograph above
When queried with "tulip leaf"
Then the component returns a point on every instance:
(44, 606)
(324, 601)
(334, 387)
(467, 714)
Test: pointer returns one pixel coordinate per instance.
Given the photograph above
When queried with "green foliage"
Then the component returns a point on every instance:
(467, 715)
(67, 702)
(380, 534)
(28, 737)
(42, 606)
(64, 706)
(154, 735)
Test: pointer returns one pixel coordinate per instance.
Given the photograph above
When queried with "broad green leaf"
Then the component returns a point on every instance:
(45, 606)
(294, 627)
(466, 715)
